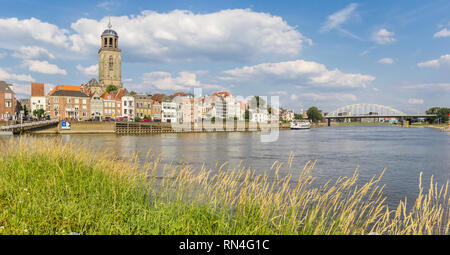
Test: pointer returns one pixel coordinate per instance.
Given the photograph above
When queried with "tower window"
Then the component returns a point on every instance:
(111, 63)
(105, 42)
(110, 42)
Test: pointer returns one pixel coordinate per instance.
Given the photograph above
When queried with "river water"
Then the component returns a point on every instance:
(405, 152)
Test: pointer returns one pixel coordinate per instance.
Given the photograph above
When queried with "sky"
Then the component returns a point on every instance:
(309, 53)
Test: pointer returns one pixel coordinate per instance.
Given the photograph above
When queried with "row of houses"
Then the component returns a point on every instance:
(82, 103)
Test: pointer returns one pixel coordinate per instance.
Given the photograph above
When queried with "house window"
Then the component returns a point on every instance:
(8, 96)
(8, 104)
(84, 101)
(55, 100)
(77, 101)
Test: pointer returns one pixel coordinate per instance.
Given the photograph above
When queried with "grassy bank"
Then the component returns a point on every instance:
(50, 188)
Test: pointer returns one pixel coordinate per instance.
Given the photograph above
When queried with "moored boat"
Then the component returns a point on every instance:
(300, 125)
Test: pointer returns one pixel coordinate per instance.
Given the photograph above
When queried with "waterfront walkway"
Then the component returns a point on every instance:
(19, 128)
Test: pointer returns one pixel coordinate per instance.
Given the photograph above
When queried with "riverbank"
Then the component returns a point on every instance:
(362, 124)
(151, 128)
(48, 187)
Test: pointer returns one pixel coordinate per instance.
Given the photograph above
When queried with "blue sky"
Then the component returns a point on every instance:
(323, 53)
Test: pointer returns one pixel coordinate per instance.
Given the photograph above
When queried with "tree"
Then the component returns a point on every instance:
(132, 93)
(314, 114)
(25, 111)
(257, 102)
(137, 119)
(247, 115)
(298, 116)
(441, 112)
(39, 113)
(111, 88)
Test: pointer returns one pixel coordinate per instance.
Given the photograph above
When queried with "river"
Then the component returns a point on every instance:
(405, 152)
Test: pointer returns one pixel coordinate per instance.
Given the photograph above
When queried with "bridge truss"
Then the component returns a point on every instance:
(365, 109)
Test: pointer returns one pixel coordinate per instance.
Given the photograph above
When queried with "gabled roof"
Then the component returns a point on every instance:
(69, 93)
(158, 97)
(222, 93)
(114, 95)
(81, 89)
(5, 87)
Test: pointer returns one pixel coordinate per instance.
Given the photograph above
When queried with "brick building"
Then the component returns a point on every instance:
(7, 102)
(143, 105)
(69, 103)
(112, 104)
(38, 99)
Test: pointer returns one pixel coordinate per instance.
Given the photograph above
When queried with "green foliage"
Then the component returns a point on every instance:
(111, 88)
(137, 119)
(257, 103)
(314, 114)
(441, 112)
(247, 115)
(39, 113)
(298, 116)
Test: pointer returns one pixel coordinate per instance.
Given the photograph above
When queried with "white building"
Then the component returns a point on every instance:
(96, 106)
(168, 111)
(128, 111)
(259, 116)
(37, 103)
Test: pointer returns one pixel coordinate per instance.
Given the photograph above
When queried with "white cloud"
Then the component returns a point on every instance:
(32, 52)
(165, 81)
(387, 61)
(415, 101)
(43, 67)
(237, 35)
(383, 36)
(8, 76)
(15, 32)
(338, 18)
(278, 92)
(444, 60)
(294, 72)
(343, 97)
(428, 86)
(90, 70)
(227, 35)
(108, 5)
(443, 33)
(294, 97)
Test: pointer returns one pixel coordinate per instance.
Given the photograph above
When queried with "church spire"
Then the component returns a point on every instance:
(109, 24)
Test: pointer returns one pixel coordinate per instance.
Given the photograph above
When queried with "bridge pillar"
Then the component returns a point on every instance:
(329, 122)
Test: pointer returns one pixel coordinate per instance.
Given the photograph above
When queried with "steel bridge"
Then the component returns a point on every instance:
(372, 111)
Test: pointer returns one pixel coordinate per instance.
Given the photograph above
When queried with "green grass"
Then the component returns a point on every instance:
(50, 188)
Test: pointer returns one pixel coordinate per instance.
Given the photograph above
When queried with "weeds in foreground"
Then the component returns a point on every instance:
(47, 187)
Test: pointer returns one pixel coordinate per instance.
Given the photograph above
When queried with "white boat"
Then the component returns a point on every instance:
(300, 125)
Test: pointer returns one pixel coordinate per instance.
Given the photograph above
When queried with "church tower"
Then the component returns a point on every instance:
(109, 59)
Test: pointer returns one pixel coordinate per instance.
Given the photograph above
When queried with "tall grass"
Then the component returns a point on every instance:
(47, 187)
